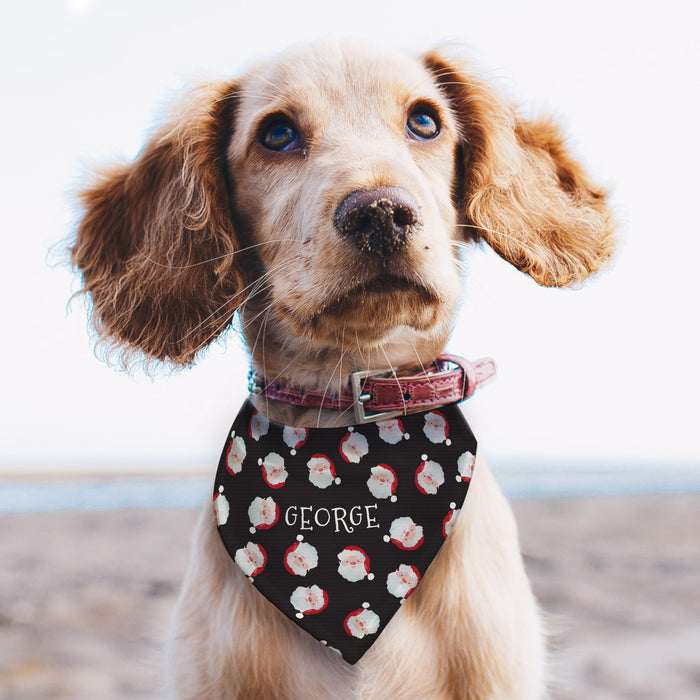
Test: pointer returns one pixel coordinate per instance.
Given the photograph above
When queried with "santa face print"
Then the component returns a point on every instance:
(308, 601)
(354, 564)
(221, 507)
(263, 513)
(236, 455)
(391, 431)
(294, 438)
(259, 425)
(449, 521)
(435, 427)
(321, 471)
(251, 559)
(300, 558)
(273, 470)
(361, 622)
(402, 582)
(405, 534)
(465, 466)
(382, 481)
(353, 447)
(429, 477)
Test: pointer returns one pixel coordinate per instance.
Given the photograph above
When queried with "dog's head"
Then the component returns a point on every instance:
(325, 193)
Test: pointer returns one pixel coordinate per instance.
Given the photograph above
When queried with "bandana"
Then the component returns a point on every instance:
(337, 526)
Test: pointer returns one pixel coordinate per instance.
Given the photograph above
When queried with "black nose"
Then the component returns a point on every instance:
(378, 220)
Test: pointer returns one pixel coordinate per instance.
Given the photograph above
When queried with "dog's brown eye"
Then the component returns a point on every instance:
(422, 125)
(279, 136)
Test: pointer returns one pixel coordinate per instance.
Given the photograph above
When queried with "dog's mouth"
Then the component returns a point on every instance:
(370, 309)
(380, 290)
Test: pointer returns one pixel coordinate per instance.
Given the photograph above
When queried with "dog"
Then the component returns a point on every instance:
(324, 196)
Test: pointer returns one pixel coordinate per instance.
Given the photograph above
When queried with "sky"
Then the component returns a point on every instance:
(607, 374)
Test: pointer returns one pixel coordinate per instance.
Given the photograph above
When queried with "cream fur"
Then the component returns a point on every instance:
(209, 220)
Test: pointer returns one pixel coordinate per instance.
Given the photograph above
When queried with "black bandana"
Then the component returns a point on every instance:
(337, 526)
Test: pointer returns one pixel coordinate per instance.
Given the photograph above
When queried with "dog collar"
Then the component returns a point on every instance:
(337, 526)
(382, 394)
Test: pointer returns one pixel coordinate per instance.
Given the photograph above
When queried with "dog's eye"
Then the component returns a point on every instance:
(279, 136)
(422, 125)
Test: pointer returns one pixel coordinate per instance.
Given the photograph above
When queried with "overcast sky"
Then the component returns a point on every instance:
(607, 374)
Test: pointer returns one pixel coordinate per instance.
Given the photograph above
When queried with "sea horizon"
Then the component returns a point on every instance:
(107, 489)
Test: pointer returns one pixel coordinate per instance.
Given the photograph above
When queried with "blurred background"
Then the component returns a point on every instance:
(597, 388)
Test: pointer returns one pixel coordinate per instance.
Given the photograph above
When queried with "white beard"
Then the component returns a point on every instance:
(450, 522)
(352, 573)
(434, 470)
(465, 464)
(307, 599)
(221, 508)
(236, 455)
(294, 437)
(259, 425)
(273, 468)
(400, 532)
(389, 431)
(366, 622)
(401, 582)
(355, 447)
(262, 511)
(321, 479)
(309, 559)
(435, 430)
(249, 558)
(380, 488)
(276, 477)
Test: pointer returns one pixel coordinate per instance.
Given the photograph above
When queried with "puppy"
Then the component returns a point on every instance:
(254, 198)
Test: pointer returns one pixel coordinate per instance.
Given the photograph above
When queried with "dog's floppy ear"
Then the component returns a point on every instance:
(521, 190)
(156, 245)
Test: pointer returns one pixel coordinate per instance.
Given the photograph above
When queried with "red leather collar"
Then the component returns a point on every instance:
(382, 394)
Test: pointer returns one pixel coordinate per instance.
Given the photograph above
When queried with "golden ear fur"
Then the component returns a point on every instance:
(523, 192)
(156, 245)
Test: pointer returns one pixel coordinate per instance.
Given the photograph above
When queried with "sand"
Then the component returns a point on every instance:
(86, 597)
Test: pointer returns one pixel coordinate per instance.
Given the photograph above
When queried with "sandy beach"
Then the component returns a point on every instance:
(86, 597)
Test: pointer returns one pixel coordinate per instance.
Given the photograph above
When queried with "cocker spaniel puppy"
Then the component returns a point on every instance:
(324, 196)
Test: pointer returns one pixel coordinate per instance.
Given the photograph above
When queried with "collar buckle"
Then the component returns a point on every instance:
(357, 383)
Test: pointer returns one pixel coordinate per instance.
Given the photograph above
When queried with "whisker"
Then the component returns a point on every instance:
(209, 260)
(228, 301)
(393, 371)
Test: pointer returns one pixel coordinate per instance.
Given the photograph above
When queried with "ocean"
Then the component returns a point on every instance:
(101, 493)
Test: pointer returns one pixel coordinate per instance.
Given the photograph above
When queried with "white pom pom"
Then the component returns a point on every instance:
(233, 433)
(453, 505)
(260, 461)
(406, 436)
(221, 489)
(458, 477)
(448, 442)
(365, 605)
(300, 615)
(402, 601)
(252, 530)
(370, 577)
(423, 457)
(393, 499)
(300, 537)
(292, 452)
(337, 479)
(387, 538)
(250, 578)
(324, 642)
(350, 428)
